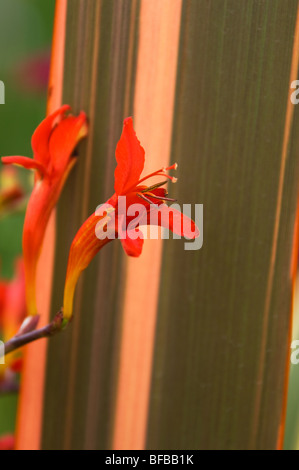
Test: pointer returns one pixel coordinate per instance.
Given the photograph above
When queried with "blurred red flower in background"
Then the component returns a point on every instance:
(7, 442)
(32, 74)
(12, 314)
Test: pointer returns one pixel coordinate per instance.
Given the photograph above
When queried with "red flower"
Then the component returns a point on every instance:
(53, 144)
(7, 442)
(115, 222)
(12, 314)
(32, 74)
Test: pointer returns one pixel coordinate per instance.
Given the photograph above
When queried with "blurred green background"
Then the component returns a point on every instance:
(25, 44)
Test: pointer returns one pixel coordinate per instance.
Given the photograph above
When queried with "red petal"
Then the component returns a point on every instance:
(3, 289)
(41, 136)
(161, 192)
(131, 238)
(132, 247)
(14, 307)
(26, 162)
(83, 249)
(130, 159)
(64, 139)
(174, 220)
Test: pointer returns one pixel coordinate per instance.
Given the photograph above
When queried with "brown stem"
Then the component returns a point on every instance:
(21, 339)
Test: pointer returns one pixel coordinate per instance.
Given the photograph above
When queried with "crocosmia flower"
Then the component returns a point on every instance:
(12, 314)
(53, 144)
(117, 217)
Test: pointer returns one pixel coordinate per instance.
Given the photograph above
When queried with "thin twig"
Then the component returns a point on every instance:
(21, 339)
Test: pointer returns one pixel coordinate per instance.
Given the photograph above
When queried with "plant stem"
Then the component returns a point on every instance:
(22, 339)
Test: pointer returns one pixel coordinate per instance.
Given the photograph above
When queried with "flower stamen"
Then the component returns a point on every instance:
(161, 172)
(154, 186)
(142, 196)
(162, 198)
